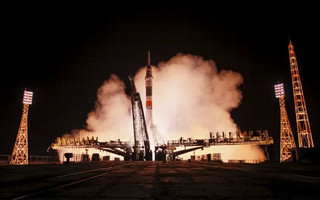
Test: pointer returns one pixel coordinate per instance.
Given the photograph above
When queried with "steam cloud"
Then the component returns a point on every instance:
(111, 118)
(190, 99)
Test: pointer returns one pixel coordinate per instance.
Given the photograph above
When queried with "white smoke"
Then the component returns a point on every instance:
(111, 119)
(191, 98)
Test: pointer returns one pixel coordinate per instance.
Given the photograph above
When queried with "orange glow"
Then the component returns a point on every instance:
(149, 103)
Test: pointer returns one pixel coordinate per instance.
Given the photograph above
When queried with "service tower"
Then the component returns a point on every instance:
(303, 125)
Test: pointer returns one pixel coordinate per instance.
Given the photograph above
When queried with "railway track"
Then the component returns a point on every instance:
(41, 187)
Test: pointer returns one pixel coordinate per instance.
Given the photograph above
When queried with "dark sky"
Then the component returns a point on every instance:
(64, 51)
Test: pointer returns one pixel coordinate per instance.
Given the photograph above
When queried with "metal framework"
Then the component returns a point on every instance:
(303, 125)
(123, 148)
(20, 149)
(287, 143)
(257, 137)
(141, 136)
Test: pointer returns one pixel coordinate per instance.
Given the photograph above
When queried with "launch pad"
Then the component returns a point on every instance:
(170, 149)
(143, 125)
(144, 129)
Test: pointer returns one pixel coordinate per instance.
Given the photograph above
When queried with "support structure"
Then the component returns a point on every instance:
(303, 124)
(287, 143)
(20, 149)
(141, 137)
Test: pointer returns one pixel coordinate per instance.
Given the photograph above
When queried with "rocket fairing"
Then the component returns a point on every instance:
(148, 79)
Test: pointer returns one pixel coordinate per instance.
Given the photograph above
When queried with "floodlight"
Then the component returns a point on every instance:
(279, 90)
(27, 97)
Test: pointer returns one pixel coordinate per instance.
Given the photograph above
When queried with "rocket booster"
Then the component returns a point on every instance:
(149, 119)
(148, 79)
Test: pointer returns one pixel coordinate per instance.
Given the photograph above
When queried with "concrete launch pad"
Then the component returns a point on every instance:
(158, 180)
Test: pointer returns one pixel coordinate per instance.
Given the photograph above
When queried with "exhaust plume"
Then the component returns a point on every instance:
(191, 98)
(111, 119)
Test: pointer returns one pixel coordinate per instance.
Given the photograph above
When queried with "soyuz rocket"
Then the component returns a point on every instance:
(148, 80)
(157, 140)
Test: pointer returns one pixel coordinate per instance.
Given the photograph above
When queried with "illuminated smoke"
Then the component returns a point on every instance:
(191, 98)
(249, 153)
(111, 119)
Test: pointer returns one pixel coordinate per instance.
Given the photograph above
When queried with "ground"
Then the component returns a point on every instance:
(158, 180)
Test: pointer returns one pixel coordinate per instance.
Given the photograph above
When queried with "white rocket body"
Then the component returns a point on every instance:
(148, 79)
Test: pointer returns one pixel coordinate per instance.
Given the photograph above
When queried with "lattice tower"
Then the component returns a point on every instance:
(303, 125)
(141, 137)
(287, 142)
(20, 149)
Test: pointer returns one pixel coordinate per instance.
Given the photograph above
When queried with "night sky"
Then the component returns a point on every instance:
(64, 52)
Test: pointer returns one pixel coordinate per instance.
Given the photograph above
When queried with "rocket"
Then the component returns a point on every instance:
(148, 80)
(157, 140)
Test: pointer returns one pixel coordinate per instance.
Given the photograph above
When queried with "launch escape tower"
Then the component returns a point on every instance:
(20, 150)
(287, 143)
(157, 139)
(303, 125)
(141, 136)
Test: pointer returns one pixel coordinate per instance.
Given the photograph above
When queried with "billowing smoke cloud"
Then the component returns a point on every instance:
(111, 119)
(191, 98)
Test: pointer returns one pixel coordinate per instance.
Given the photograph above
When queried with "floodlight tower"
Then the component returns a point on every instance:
(20, 149)
(287, 142)
(303, 125)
